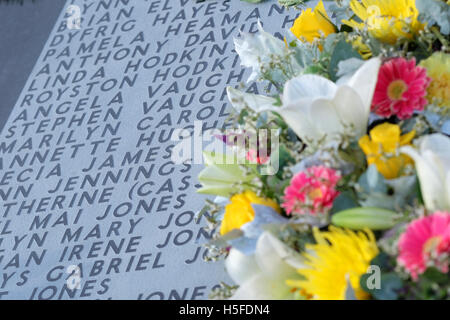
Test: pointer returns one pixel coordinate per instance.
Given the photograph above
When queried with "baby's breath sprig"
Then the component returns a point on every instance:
(223, 291)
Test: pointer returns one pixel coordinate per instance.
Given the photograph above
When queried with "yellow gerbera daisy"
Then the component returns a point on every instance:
(339, 258)
(438, 69)
(386, 20)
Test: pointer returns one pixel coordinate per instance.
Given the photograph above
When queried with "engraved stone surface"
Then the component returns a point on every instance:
(89, 197)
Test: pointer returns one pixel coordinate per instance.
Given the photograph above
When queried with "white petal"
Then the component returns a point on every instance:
(277, 263)
(365, 80)
(432, 162)
(438, 144)
(308, 86)
(430, 178)
(262, 288)
(351, 110)
(297, 117)
(324, 115)
(240, 267)
(275, 259)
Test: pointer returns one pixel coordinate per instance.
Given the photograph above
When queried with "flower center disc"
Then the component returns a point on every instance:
(431, 244)
(396, 89)
(314, 194)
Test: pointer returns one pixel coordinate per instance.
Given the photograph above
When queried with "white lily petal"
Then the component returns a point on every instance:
(308, 86)
(323, 113)
(275, 259)
(430, 181)
(241, 267)
(257, 103)
(275, 263)
(314, 107)
(351, 110)
(260, 287)
(433, 169)
(438, 144)
(297, 118)
(364, 82)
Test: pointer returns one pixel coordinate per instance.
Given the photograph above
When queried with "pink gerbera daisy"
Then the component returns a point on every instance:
(312, 191)
(401, 88)
(426, 242)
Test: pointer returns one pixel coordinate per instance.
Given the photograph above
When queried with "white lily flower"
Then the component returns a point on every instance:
(317, 109)
(432, 161)
(257, 51)
(263, 275)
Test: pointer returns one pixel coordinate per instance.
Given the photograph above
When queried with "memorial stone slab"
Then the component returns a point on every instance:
(91, 204)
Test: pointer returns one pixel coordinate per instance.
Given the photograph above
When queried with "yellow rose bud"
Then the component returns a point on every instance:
(381, 149)
(312, 24)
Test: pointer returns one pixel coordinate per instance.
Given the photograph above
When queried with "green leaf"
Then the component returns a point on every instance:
(372, 181)
(434, 275)
(346, 200)
(346, 68)
(388, 194)
(342, 51)
(435, 12)
(381, 260)
(285, 158)
(390, 284)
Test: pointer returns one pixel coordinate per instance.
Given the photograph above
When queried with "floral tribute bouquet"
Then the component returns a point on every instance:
(348, 197)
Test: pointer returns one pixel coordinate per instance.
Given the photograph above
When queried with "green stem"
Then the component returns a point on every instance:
(439, 36)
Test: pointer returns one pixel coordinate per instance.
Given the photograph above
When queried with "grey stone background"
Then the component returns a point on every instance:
(173, 276)
(24, 29)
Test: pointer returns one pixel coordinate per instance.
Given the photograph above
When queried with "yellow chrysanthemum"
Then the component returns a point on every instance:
(438, 69)
(381, 149)
(338, 259)
(386, 20)
(310, 25)
(240, 211)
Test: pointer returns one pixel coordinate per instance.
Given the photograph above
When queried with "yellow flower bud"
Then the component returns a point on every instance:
(310, 25)
(381, 149)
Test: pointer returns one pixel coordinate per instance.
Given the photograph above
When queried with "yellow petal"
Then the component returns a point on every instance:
(406, 138)
(386, 133)
(369, 147)
(388, 168)
(323, 20)
(386, 20)
(240, 211)
(310, 25)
